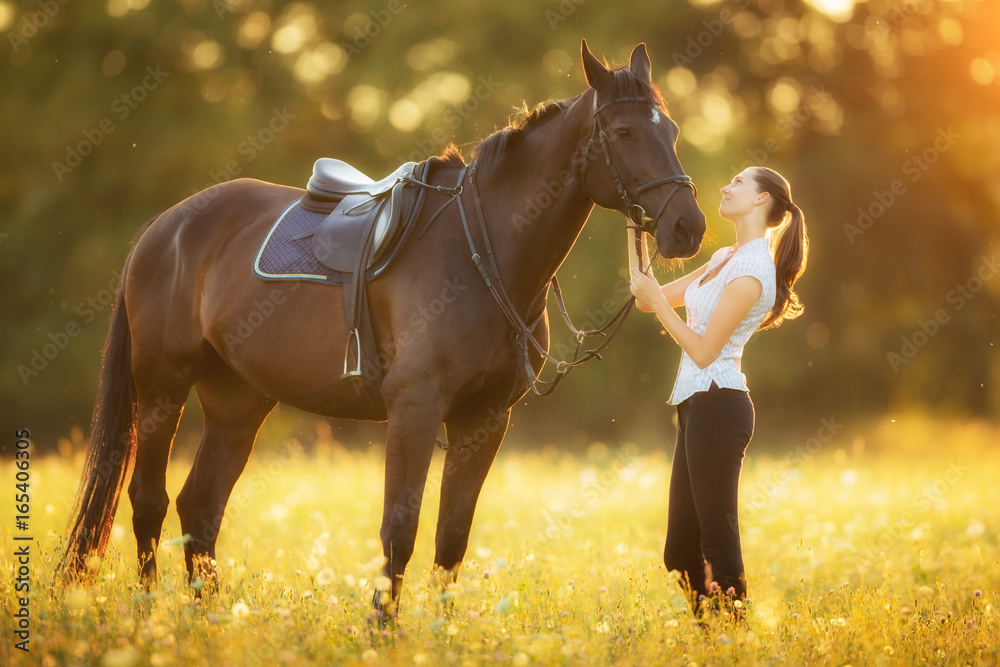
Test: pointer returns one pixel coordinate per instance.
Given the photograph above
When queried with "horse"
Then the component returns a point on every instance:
(186, 285)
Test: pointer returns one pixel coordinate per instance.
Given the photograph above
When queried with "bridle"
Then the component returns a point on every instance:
(522, 335)
(630, 206)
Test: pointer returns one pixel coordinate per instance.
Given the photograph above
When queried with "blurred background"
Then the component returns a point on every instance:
(883, 115)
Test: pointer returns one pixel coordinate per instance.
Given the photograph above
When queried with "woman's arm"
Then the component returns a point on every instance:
(635, 263)
(737, 299)
(673, 291)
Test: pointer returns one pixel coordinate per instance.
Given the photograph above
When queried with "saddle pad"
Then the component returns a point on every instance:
(282, 256)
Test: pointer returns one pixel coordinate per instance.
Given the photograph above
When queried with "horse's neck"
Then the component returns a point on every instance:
(537, 209)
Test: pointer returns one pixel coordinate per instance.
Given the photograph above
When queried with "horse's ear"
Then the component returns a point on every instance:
(597, 74)
(638, 62)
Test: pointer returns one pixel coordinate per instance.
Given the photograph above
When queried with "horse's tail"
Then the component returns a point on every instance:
(112, 446)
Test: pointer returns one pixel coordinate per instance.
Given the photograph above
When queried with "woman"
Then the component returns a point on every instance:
(740, 290)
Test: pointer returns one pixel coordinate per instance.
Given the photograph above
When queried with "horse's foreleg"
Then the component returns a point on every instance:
(414, 419)
(476, 440)
(234, 412)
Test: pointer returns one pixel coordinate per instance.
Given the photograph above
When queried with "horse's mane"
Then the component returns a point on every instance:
(490, 149)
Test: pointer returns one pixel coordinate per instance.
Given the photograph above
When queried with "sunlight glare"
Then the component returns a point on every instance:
(837, 10)
(7, 15)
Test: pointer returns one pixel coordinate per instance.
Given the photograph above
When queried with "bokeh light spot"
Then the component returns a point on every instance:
(453, 87)
(982, 71)
(405, 115)
(253, 29)
(784, 96)
(117, 8)
(717, 109)
(951, 31)
(746, 25)
(681, 81)
(817, 335)
(436, 53)
(7, 14)
(113, 63)
(366, 103)
(207, 54)
(556, 62)
(298, 26)
(315, 65)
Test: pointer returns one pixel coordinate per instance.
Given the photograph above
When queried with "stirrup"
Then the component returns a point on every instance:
(356, 372)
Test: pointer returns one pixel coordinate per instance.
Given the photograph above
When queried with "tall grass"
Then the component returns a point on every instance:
(885, 558)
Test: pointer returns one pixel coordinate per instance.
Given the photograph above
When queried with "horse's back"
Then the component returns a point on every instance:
(198, 249)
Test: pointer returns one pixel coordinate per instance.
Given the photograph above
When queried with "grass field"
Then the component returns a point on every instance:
(880, 549)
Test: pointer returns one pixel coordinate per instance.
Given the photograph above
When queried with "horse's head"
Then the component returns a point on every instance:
(631, 160)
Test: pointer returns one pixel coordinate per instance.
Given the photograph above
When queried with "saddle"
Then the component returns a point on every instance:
(355, 206)
(365, 220)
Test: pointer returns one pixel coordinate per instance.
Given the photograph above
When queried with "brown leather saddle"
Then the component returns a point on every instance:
(365, 220)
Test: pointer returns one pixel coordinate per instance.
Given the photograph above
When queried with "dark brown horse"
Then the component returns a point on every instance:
(444, 342)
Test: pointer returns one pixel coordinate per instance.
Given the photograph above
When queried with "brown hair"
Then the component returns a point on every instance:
(790, 246)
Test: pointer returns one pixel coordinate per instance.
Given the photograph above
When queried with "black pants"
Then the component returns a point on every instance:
(714, 428)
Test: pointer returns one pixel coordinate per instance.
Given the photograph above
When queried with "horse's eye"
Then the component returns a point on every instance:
(623, 132)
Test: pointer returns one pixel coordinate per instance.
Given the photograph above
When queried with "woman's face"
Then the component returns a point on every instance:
(739, 196)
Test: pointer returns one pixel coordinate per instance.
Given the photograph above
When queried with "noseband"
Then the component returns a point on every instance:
(631, 206)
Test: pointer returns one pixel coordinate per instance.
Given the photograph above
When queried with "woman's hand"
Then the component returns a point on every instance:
(646, 290)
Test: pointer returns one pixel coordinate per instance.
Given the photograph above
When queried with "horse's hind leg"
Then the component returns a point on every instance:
(465, 471)
(233, 412)
(160, 399)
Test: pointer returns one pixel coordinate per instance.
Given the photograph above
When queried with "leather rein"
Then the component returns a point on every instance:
(522, 335)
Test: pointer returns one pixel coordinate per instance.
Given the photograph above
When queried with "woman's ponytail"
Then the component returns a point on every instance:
(790, 248)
